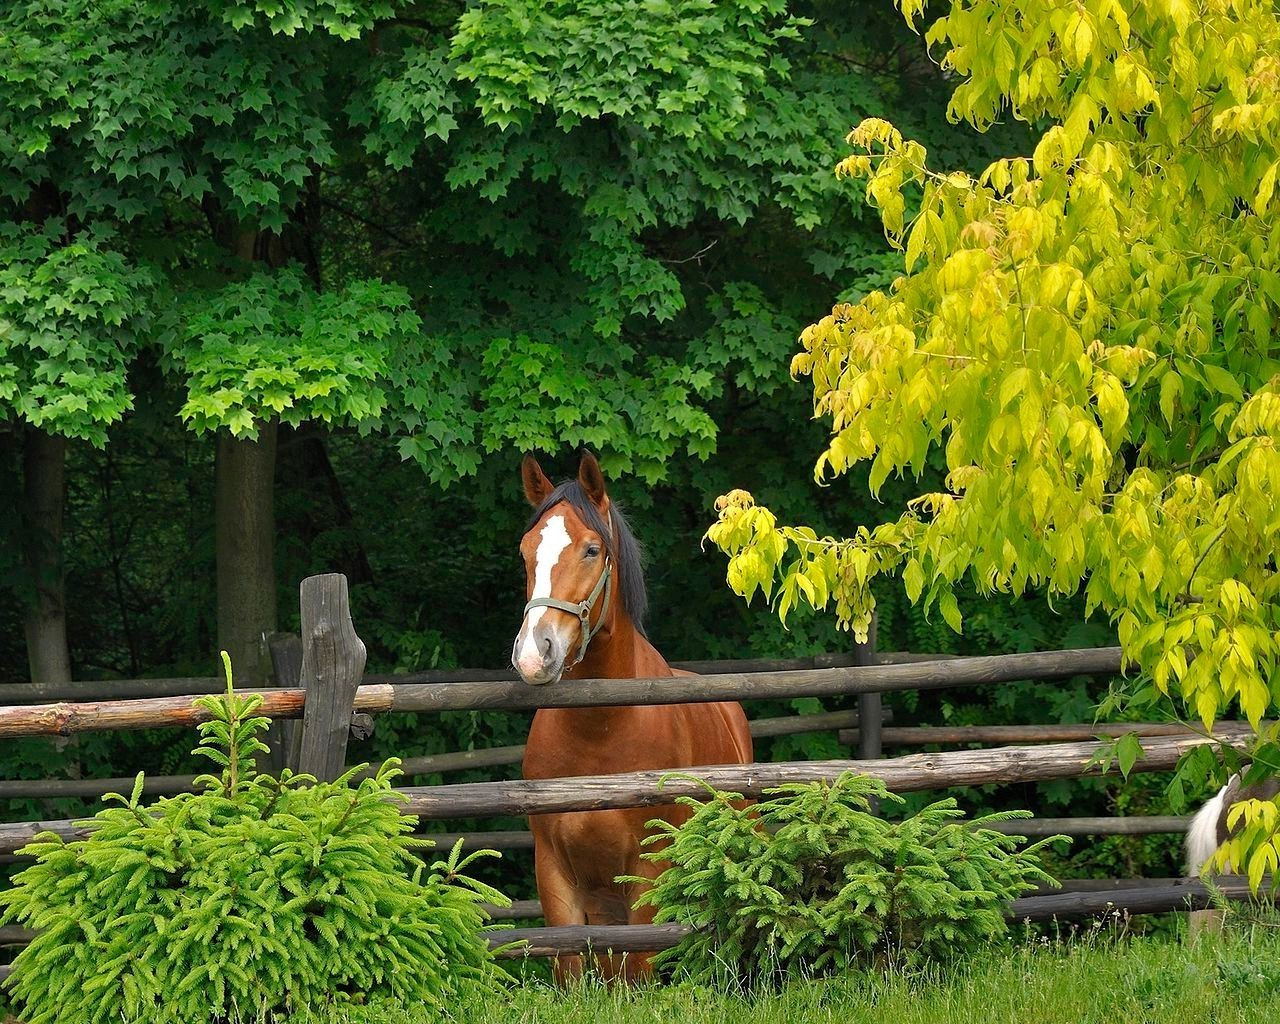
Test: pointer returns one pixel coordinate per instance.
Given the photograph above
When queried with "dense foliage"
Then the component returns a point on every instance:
(1086, 336)
(810, 882)
(253, 898)
(417, 238)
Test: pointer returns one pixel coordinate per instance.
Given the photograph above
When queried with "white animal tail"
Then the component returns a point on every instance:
(1202, 835)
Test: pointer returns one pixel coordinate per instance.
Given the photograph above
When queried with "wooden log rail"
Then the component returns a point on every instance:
(1119, 825)
(1032, 828)
(908, 774)
(488, 757)
(912, 773)
(195, 686)
(1161, 896)
(65, 719)
(788, 725)
(1179, 895)
(924, 735)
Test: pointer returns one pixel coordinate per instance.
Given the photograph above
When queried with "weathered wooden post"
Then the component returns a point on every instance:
(284, 738)
(332, 666)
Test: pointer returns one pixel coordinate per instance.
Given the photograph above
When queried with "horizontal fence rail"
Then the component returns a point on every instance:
(522, 839)
(923, 735)
(527, 910)
(484, 757)
(1132, 825)
(1179, 895)
(1088, 897)
(788, 725)
(912, 773)
(64, 719)
(928, 675)
(195, 686)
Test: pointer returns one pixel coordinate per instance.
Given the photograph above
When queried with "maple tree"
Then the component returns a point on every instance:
(1086, 334)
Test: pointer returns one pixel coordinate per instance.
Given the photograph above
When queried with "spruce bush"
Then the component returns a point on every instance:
(253, 898)
(810, 882)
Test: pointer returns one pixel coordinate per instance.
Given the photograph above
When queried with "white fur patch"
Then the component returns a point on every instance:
(1202, 834)
(551, 545)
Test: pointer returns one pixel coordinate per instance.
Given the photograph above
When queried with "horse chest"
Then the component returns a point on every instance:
(564, 742)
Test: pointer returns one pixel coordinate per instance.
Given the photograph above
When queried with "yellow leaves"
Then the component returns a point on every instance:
(1234, 597)
(1132, 87)
(1014, 384)
(1049, 152)
(899, 162)
(857, 166)
(1112, 405)
(1077, 39)
(1254, 846)
(1266, 188)
(1024, 229)
(985, 297)
(1179, 11)
(872, 131)
(1069, 328)
(1248, 120)
(913, 579)
(961, 478)
(962, 268)
(1083, 113)
(1170, 392)
(1043, 491)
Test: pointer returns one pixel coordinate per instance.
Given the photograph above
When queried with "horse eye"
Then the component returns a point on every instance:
(593, 551)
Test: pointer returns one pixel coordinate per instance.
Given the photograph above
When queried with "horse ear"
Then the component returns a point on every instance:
(536, 485)
(591, 480)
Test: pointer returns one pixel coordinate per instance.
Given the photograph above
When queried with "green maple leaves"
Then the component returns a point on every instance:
(72, 316)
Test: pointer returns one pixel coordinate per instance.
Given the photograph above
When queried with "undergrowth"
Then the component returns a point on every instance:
(251, 899)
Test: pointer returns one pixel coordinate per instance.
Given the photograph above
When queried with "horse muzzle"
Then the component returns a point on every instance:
(538, 655)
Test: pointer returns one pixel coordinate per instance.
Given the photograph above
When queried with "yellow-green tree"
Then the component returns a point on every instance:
(1087, 333)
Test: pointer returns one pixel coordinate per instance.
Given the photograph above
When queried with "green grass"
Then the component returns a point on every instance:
(1098, 977)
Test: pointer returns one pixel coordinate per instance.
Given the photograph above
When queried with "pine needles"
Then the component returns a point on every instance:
(811, 883)
(254, 898)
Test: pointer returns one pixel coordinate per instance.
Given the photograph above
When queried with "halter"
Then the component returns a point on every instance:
(583, 609)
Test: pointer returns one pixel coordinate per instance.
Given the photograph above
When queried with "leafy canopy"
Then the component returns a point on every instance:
(73, 313)
(272, 346)
(1086, 335)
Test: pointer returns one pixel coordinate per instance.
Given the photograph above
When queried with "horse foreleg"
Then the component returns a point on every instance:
(637, 967)
(561, 906)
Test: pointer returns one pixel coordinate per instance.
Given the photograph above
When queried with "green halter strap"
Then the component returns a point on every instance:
(583, 609)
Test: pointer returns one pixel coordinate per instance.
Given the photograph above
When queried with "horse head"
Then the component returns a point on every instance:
(576, 553)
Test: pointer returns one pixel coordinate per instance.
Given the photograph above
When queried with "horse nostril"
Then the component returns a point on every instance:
(546, 647)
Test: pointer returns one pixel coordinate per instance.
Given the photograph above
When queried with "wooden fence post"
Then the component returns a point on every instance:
(332, 667)
(285, 737)
(870, 705)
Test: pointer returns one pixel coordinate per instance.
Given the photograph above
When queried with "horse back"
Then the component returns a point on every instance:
(1235, 792)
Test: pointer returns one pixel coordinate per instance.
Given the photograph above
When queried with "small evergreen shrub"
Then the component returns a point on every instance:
(252, 899)
(811, 883)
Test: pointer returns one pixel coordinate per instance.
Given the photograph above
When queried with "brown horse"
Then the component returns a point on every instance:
(584, 620)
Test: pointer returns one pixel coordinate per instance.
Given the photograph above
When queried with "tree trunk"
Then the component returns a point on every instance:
(44, 471)
(244, 510)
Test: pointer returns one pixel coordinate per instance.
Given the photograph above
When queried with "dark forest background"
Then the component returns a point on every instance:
(290, 293)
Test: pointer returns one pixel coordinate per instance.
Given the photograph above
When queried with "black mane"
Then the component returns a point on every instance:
(620, 545)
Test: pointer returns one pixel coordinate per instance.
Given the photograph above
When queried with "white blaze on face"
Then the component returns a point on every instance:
(551, 545)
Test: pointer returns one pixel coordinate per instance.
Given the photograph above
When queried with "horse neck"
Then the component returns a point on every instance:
(620, 652)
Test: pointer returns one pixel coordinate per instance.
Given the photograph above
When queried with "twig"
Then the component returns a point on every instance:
(697, 256)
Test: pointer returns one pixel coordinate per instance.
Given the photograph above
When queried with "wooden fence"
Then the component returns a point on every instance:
(323, 695)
